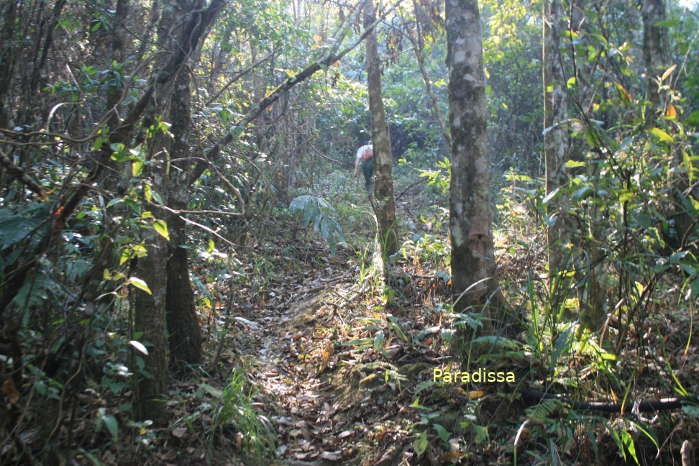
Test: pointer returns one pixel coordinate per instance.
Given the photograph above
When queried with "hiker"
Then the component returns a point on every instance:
(365, 158)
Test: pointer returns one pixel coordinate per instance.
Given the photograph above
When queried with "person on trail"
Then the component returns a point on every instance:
(365, 158)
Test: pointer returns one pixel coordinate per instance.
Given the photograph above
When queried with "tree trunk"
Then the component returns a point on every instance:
(150, 309)
(383, 201)
(555, 135)
(655, 45)
(185, 333)
(7, 58)
(472, 257)
(150, 322)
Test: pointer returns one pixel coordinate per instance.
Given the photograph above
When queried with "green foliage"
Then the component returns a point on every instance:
(235, 409)
(18, 224)
(318, 213)
(439, 177)
(512, 61)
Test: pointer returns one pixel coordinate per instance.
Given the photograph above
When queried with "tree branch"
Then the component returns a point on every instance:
(21, 175)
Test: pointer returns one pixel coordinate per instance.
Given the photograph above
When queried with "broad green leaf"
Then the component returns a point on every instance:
(442, 432)
(119, 152)
(668, 23)
(573, 164)
(215, 392)
(420, 443)
(140, 284)
(626, 196)
(109, 422)
(480, 433)
(424, 385)
(660, 134)
(691, 411)
(136, 167)
(357, 342)
(550, 196)
(161, 227)
(693, 119)
(582, 192)
(629, 444)
(125, 256)
(695, 288)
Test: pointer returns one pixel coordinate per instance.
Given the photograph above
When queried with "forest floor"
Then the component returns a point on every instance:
(338, 373)
(335, 375)
(332, 374)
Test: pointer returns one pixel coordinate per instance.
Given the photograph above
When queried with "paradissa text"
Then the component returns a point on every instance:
(464, 377)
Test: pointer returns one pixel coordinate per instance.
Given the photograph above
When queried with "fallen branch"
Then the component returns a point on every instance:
(533, 397)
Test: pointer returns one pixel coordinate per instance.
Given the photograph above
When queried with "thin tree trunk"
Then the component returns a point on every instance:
(150, 309)
(383, 201)
(418, 46)
(472, 256)
(7, 58)
(150, 322)
(184, 331)
(555, 135)
(655, 45)
(150, 316)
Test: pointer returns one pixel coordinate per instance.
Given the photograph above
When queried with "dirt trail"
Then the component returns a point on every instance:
(293, 351)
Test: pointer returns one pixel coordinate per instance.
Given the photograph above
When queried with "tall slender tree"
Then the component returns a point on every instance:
(472, 256)
(555, 134)
(383, 201)
(180, 33)
(183, 326)
(655, 44)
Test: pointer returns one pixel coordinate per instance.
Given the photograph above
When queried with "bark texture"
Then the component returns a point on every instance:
(555, 134)
(383, 200)
(151, 310)
(7, 56)
(184, 331)
(472, 257)
(150, 320)
(655, 44)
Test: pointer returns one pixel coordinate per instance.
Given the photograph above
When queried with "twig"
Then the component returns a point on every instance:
(205, 212)
(198, 225)
(325, 156)
(413, 184)
(237, 76)
(20, 174)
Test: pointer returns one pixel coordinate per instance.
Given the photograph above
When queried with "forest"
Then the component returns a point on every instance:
(349, 232)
